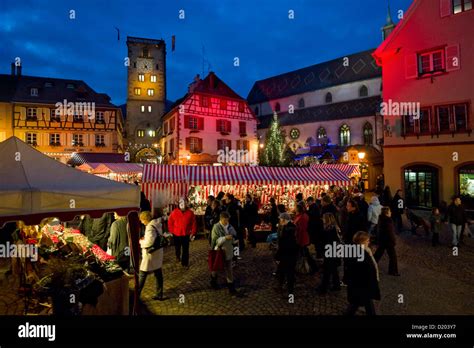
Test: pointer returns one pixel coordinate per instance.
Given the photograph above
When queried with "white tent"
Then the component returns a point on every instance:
(34, 186)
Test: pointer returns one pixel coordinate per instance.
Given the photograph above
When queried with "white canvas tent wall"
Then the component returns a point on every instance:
(34, 186)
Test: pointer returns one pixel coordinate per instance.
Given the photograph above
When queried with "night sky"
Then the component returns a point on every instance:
(257, 31)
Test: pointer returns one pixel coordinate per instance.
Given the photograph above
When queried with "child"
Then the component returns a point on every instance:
(436, 226)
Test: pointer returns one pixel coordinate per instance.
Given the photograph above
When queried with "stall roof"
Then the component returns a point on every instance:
(226, 175)
(79, 158)
(348, 169)
(34, 186)
(85, 167)
(164, 173)
(119, 168)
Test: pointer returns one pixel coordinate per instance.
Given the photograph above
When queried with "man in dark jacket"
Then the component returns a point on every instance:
(234, 210)
(273, 215)
(387, 241)
(327, 206)
(362, 278)
(398, 207)
(315, 226)
(287, 252)
(250, 219)
(457, 219)
(208, 214)
(118, 241)
(101, 230)
(355, 221)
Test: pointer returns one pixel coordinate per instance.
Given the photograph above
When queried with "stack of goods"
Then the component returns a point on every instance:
(263, 227)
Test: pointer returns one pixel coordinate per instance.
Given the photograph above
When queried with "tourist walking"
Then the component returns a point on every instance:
(362, 278)
(315, 226)
(152, 254)
(457, 219)
(302, 237)
(387, 241)
(397, 209)
(250, 219)
(355, 221)
(287, 252)
(182, 225)
(373, 213)
(331, 238)
(436, 225)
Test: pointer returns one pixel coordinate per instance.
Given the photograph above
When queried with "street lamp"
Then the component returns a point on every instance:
(361, 155)
(261, 145)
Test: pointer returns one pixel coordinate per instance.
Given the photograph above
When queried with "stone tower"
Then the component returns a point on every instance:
(146, 97)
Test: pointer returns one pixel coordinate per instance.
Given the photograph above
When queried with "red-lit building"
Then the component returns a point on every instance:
(210, 125)
(428, 59)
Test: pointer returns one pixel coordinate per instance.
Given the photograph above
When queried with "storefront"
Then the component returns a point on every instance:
(465, 184)
(421, 186)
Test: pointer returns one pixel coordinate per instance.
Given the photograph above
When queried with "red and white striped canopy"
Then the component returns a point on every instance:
(165, 173)
(307, 176)
(118, 168)
(225, 175)
(348, 169)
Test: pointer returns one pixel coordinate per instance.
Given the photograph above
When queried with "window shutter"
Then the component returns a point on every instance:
(229, 126)
(188, 144)
(411, 66)
(200, 123)
(186, 121)
(200, 144)
(238, 144)
(445, 8)
(453, 59)
(217, 125)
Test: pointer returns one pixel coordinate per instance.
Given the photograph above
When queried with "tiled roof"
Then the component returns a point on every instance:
(335, 111)
(215, 86)
(79, 158)
(50, 90)
(332, 73)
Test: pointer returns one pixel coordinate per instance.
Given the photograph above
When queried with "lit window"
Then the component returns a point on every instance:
(151, 133)
(322, 135)
(149, 108)
(431, 62)
(99, 117)
(31, 139)
(345, 135)
(99, 140)
(54, 139)
(140, 133)
(153, 78)
(141, 77)
(77, 140)
(461, 6)
(363, 91)
(137, 91)
(368, 134)
(151, 92)
(31, 113)
(34, 92)
(142, 108)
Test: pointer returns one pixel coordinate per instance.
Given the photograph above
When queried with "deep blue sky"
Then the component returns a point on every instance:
(257, 31)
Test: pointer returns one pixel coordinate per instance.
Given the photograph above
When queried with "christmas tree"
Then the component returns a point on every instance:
(275, 152)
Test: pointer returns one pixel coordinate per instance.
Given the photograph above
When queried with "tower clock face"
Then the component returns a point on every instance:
(144, 65)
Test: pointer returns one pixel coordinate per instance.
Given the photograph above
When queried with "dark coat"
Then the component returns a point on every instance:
(118, 241)
(361, 279)
(355, 223)
(144, 203)
(208, 218)
(315, 224)
(386, 236)
(101, 230)
(330, 208)
(274, 216)
(234, 211)
(396, 211)
(329, 236)
(287, 245)
(457, 215)
(249, 215)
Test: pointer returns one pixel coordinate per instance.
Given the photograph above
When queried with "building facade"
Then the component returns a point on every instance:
(332, 105)
(146, 97)
(58, 116)
(210, 125)
(427, 63)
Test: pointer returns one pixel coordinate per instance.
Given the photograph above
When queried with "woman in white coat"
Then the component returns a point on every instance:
(151, 262)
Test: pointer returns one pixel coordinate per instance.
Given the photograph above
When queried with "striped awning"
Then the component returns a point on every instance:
(118, 168)
(165, 173)
(348, 169)
(225, 175)
(307, 176)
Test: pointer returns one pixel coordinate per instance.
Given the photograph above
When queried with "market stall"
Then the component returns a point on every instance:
(122, 172)
(39, 193)
(164, 184)
(349, 169)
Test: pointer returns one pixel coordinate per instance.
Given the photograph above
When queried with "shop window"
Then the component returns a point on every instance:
(421, 186)
(322, 135)
(466, 185)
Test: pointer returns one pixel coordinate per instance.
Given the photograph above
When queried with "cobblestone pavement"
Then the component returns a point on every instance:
(432, 282)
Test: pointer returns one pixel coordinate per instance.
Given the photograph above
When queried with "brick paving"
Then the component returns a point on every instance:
(432, 282)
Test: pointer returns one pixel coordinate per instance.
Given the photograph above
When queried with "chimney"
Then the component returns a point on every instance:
(13, 69)
(18, 70)
(193, 84)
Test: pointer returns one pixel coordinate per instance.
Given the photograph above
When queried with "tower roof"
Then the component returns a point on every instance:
(389, 21)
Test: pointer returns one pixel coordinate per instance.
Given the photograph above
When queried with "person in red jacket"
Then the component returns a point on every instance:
(182, 225)
(302, 236)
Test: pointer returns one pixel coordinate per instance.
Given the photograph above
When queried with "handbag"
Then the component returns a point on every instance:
(215, 260)
(159, 242)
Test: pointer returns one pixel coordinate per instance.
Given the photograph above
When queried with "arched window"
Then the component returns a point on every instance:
(322, 135)
(301, 103)
(256, 110)
(328, 97)
(277, 107)
(363, 91)
(368, 134)
(344, 135)
(421, 186)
